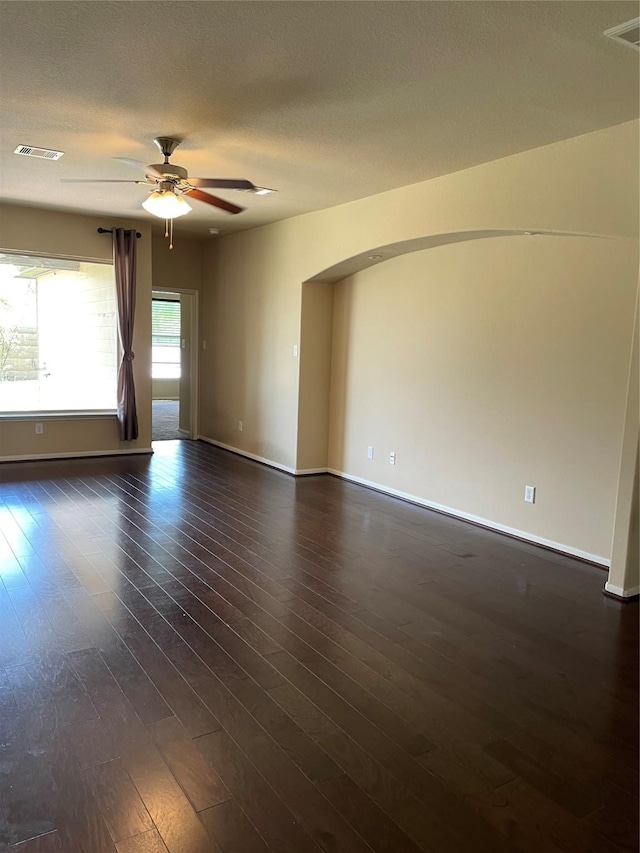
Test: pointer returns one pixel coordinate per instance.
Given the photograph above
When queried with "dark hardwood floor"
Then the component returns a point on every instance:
(200, 654)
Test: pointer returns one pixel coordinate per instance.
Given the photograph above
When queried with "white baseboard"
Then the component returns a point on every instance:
(415, 499)
(476, 519)
(248, 455)
(185, 432)
(82, 454)
(619, 592)
(297, 472)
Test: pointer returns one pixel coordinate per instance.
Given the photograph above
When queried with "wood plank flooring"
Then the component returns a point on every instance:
(199, 654)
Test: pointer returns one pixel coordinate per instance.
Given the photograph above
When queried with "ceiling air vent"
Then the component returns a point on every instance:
(628, 33)
(42, 153)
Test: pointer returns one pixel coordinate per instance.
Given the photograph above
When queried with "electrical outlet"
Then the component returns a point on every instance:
(39, 429)
(295, 350)
(530, 494)
(239, 426)
(204, 344)
(370, 452)
(392, 458)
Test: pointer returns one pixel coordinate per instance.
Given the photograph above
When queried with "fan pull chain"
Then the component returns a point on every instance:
(168, 231)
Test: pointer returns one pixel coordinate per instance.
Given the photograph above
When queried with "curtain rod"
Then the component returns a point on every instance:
(110, 231)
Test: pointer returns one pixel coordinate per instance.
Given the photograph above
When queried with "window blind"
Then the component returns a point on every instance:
(165, 322)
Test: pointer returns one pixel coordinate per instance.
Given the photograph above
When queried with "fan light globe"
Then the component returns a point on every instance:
(165, 204)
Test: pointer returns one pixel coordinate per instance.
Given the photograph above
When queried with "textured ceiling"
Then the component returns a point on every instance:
(325, 101)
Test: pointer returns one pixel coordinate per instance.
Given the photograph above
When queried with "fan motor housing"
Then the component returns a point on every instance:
(169, 171)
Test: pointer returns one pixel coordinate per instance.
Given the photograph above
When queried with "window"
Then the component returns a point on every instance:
(165, 331)
(58, 335)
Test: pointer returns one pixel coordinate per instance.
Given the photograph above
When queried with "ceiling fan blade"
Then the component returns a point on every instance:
(100, 181)
(222, 183)
(138, 164)
(214, 200)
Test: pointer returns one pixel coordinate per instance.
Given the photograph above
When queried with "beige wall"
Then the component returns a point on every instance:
(177, 267)
(316, 324)
(631, 581)
(69, 235)
(165, 389)
(250, 323)
(252, 280)
(487, 366)
(252, 302)
(624, 577)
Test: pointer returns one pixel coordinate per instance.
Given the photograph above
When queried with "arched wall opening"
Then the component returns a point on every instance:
(257, 316)
(492, 361)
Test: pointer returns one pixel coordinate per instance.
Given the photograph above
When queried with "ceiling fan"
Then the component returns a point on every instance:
(170, 183)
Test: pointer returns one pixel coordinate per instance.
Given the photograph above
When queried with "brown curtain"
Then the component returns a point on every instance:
(124, 264)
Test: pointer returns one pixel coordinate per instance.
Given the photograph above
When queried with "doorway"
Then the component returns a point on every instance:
(174, 364)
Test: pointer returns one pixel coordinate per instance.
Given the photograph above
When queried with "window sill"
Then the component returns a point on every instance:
(49, 416)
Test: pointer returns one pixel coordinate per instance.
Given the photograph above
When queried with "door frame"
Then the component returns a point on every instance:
(194, 361)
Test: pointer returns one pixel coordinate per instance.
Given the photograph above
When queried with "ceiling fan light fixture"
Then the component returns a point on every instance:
(165, 204)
